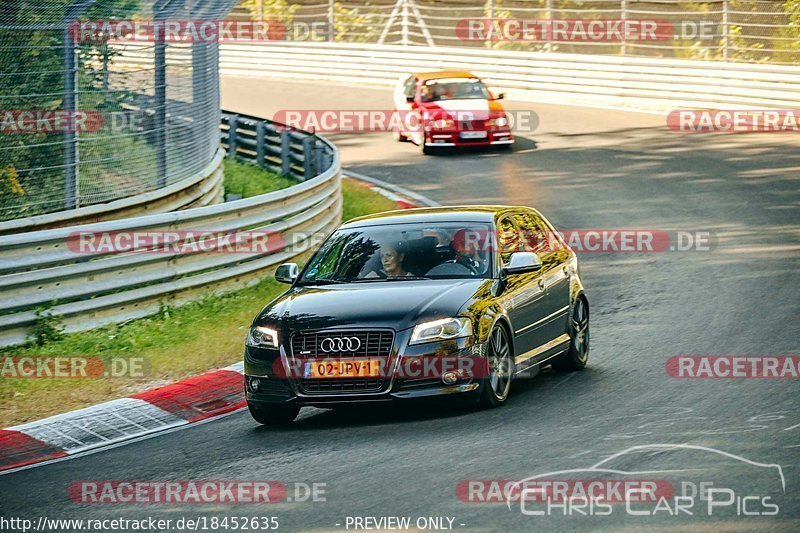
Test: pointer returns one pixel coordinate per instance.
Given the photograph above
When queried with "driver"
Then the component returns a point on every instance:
(470, 248)
(425, 93)
(392, 257)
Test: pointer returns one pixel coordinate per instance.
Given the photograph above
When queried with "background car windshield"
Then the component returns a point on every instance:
(403, 251)
(456, 90)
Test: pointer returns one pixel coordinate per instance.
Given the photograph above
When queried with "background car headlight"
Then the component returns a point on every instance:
(442, 124)
(441, 330)
(262, 337)
(499, 122)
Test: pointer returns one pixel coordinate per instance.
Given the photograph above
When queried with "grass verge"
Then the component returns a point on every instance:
(174, 344)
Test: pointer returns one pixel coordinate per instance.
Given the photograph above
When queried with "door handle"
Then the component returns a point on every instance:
(540, 283)
(565, 270)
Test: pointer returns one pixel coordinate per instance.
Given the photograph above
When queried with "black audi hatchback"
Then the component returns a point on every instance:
(419, 303)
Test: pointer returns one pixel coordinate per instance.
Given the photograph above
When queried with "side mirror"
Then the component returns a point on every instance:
(409, 99)
(500, 96)
(522, 263)
(287, 273)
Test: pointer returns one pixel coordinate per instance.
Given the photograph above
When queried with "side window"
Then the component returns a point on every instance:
(507, 239)
(533, 232)
(410, 87)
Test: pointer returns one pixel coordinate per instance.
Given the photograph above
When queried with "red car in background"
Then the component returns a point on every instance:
(449, 108)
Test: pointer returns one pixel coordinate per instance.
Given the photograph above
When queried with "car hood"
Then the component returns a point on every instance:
(393, 304)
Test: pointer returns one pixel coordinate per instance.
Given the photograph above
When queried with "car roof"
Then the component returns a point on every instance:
(425, 76)
(458, 213)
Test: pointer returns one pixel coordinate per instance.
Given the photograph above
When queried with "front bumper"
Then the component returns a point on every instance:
(415, 372)
(454, 138)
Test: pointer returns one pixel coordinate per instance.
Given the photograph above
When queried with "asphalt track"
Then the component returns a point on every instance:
(585, 169)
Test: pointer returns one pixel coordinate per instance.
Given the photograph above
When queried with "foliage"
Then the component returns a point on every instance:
(356, 24)
(790, 42)
(32, 63)
(47, 328)
(246, 179)
(275, 10)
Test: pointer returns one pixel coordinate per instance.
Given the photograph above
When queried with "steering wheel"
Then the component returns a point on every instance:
(453, 267)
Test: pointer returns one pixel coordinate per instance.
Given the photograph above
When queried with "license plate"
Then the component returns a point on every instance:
(347, 368)
(473, 134)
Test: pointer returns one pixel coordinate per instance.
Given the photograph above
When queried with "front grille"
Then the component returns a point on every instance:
(342, 385)
(373, 344)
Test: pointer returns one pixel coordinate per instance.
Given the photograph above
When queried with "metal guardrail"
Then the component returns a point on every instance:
(274, 146)
(630, 82)
(86, 290)
(202, 188)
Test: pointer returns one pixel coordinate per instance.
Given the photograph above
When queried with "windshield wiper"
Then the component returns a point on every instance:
(389, 278)
(323, 282)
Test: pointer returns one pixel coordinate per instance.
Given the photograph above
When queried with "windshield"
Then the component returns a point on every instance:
(454, 89)
(400, 252)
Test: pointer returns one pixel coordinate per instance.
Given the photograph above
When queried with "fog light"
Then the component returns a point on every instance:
(254, 383)
(448, 378)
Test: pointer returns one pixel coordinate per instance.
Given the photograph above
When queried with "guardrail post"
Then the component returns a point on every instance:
(309, 157)
(286, 151)
(725, 31)
(233, 123)
(319, 149)
(261, 133)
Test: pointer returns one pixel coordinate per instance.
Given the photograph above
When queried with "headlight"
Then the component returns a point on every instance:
(262, 337)
(441, 330)
(499, 122)
(442, 124)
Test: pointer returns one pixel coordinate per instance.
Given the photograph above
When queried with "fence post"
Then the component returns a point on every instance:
(104, 51)
(233, 123)
(623, 9)
(71, 192)
(548, 47)
(286, 151)
(725, 31)
(331, 21)
(404, 24)
(490, 13)
(261, 134)
(160, 90)
(309, 157)
(201, 99)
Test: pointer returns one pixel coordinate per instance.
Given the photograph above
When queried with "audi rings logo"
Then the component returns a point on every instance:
(340, 344)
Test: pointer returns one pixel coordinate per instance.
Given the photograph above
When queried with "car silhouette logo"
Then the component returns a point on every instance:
(340, 344)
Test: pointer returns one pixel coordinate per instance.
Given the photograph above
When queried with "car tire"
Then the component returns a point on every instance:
(576, 357)
(274, 415)
(399, 137)
(500, 367)
(426, 150)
